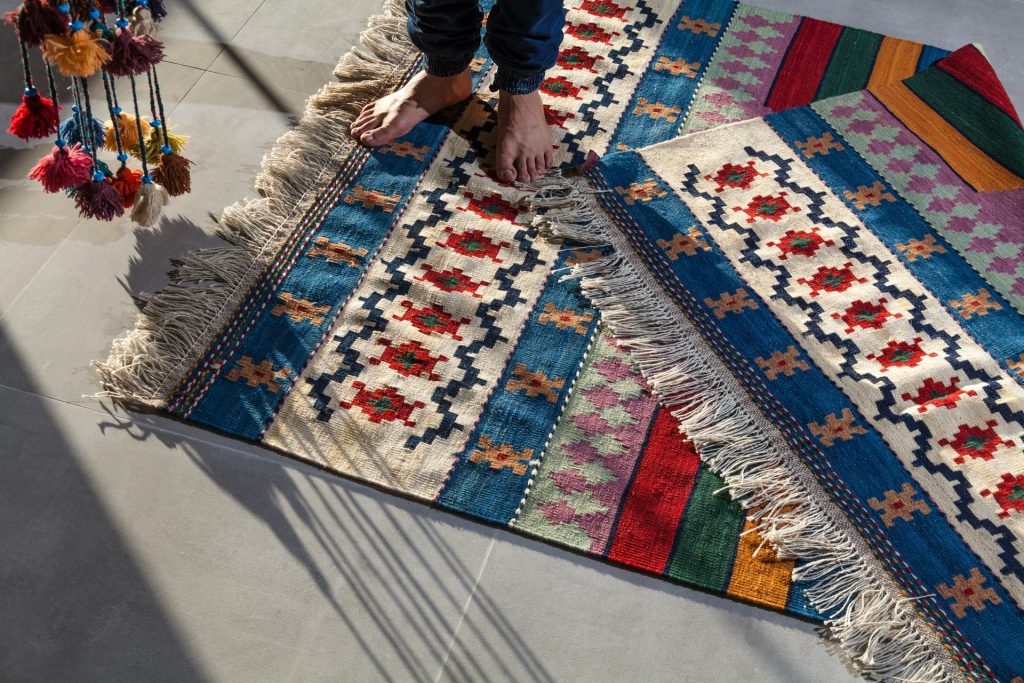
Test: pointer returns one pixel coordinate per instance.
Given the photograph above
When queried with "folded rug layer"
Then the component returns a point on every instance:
(391, 315)
(831, 307)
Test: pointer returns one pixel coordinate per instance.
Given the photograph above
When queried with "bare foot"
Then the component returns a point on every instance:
(394, 115)
(524, 141)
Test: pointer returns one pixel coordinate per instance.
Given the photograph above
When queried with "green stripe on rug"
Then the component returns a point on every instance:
(851, 63)
(981, 122)
(707, 537)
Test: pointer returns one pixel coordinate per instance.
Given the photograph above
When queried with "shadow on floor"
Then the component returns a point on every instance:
(76, 605)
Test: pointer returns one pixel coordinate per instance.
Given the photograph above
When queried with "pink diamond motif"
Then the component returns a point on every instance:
(570, 481)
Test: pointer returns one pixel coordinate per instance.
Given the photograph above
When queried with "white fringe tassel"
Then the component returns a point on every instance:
(180, 321)
(866, 614)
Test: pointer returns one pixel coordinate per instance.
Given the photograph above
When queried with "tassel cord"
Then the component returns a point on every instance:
(154, 84)
(26, 70)
(138, 127)
(52, 85)
(85, 126)
(84, 90)
(115, 115)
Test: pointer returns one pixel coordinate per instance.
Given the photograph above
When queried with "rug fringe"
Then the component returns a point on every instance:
(866, 614)
(180, 321)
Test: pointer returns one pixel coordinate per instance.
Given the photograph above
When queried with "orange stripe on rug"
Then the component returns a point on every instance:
(897, 59)
(976, 168)
(764, 579)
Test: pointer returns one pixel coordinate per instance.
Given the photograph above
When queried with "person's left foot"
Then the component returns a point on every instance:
(524, 140)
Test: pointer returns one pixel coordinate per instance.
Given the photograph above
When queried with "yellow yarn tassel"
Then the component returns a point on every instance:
(78, 53)
(155, 140)
(129, 134)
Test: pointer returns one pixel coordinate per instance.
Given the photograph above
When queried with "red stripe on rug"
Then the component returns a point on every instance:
(805, 63)
(970, 67)
(657, 498)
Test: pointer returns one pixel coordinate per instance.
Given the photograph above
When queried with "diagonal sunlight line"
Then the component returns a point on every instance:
(469, 601)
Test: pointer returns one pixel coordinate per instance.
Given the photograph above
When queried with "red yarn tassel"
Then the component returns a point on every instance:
(35, 117)
(98, 199)
(127, 182)
(131, 55)
(64, 167)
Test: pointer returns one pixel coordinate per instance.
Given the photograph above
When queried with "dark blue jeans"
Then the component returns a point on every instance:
(522, 37)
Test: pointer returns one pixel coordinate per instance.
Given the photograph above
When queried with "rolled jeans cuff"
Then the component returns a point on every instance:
(517, 82)
(448, 65)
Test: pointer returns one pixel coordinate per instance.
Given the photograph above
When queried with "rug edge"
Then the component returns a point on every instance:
(179, 322)
(868, 617)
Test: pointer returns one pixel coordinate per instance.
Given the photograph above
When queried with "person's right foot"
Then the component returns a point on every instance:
(394, 115)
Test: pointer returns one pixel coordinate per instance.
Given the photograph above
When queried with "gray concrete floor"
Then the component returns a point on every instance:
(136, 548)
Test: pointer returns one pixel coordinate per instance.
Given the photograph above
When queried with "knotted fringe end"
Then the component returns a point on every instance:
(78, 53)
(179, 322)
(866, 615)
(36, 117)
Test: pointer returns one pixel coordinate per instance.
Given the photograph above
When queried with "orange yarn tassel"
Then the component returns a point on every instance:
(128, 131)
(78, 53)
(127, 182)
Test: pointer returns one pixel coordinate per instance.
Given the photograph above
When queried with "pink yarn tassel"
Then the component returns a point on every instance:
(65, 167)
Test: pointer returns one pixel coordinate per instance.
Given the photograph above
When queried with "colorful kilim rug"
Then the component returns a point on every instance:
(393, 316)
(830, 300)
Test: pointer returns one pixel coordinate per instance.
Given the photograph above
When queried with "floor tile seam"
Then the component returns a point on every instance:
(465, 608)
(39, 270)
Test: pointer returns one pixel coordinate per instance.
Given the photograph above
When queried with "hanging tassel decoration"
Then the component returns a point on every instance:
(159, 138)
(35, 117)
(156, 8)
(142, 23)
(79, 52)
(96, 198)
(173, 173)
(66, 166)
(149, 202)
(150, 198)
(127, 128)
(35, 20)
(131, 55)
(127, 182)
(71, 129)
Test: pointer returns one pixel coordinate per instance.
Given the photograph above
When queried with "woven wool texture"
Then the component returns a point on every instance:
(392, 315)
(856, 263)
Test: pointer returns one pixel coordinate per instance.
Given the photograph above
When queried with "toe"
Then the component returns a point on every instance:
(542, 165)
(549, 159)
(506, 169)
(375, 136)
(522, 172)
(363, 124)
(531, 168)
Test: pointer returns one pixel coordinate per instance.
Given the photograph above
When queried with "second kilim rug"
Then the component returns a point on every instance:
(393, 316)
(843, 340)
